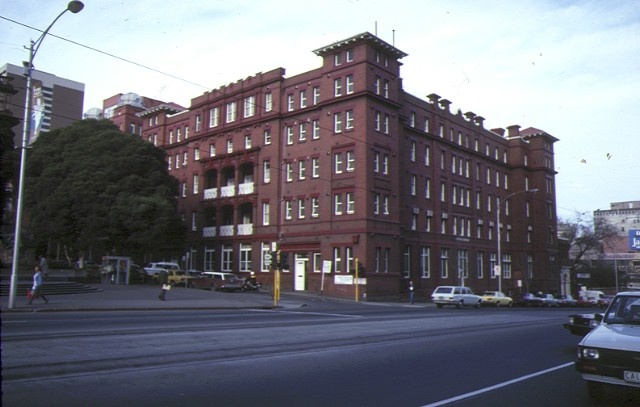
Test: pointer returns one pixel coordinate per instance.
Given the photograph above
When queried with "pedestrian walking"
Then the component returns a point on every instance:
(411, 290)
(36, 290)
(44, 266)
(163, 278)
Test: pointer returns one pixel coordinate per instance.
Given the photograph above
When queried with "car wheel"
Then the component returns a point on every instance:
(459, 304)
(510, 304)
(497, 303)
(478, 304)
(439, 305)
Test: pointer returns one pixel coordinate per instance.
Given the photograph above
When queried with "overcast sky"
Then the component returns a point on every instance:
(570, 68)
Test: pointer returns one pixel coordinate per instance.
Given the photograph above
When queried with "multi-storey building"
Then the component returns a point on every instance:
(622, 251)
(340, 166)
(57, 102)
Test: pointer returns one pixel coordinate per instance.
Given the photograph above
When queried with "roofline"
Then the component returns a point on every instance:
(363, 37)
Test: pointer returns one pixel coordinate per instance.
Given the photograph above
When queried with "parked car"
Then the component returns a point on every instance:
(527, 300)
(548, 300)
(213, 280)
(610, 353)
(496, 298)
(581, 324)
(179, 278)
(457, 296)
(153, 269)
(567, 301)
(604, 301)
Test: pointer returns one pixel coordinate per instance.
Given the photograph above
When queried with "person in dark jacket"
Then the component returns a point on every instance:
(163, 279)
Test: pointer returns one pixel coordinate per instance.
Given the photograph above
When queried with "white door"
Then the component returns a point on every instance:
(300, 271)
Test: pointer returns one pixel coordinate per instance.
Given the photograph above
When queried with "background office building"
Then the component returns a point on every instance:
(57, 102)
(341, 170)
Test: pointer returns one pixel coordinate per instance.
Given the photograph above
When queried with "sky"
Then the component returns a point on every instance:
(570, 68)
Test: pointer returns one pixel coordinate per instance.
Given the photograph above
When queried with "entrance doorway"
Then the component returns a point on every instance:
(300, 273)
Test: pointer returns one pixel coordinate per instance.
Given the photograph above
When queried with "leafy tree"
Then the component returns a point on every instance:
(584, 237)
(89, 182)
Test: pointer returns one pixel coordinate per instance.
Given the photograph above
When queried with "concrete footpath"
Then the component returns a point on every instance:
(145, 297)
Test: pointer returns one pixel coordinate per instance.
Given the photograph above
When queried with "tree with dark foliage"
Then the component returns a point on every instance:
(90, 182)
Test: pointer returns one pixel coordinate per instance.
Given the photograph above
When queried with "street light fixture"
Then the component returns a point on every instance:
(500, 202)
(74, 7)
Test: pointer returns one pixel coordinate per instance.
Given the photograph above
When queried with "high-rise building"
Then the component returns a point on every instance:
(57, 102)
(342, 171)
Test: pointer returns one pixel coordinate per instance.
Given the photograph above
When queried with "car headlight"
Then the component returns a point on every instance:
(588, 353)
(571, 320)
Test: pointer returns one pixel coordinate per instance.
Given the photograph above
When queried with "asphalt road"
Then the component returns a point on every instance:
(338, 354)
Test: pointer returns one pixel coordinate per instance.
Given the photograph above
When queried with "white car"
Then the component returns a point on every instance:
(457, 296)
(153, 269)
(610, 353)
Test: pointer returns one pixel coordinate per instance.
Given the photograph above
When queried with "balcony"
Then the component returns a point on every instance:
(228, 191)
(209, 231)
(211, 193)
(246, 188)
(245, 229)
(227, 230)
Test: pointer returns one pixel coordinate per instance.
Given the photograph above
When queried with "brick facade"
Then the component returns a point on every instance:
(340, 163)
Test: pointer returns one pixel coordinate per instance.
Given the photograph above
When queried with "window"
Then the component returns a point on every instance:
(302, 169)
(376, 161)
(427, 188)
(196, 154)
(212, 150)
(289, 171)
(209, 259)
(376, 203)
(413, 185)
(301, 208)
(287, 209)
(231, 112)
(229, 146)
(195, 184)
(290, 103)
(337, 87)
(376, 85)
(351, 205)
(337, 163)
(337, 122)
(316, 95)
(170, 136)
(480, 265)
(184, 189)
(412, 119)
(214, 117)
(350, 55)
(406, 261)
(315, 167)
(337, 204)
(289, 131)
(315, 207)
(337, 260)
(351, 160)
(349, 119)
(245, 257)
(249, 106)
(303, 99)
(385, 89)
(425, 253)
(266, 171)
(427, 156)
(337, 59)
(265, 248)
(386, 124)
(444, 263)
(226, 262)
(302, 134)
(267, 137)
(247, 142)
(412, 151)
(194, 220)
(377, 120)
(198, 123)
(315, 124)
(350, 85)
(185, 159)
(268, 102)
(385, 205)
(463, 263)
(169, 162)
(385, 164)
(265, 213)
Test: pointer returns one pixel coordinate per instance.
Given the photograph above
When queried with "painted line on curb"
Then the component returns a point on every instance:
(497, 386)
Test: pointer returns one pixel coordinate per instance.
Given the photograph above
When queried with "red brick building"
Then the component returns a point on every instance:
(340, 164)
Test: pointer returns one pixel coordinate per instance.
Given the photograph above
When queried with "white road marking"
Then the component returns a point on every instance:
(497, 386)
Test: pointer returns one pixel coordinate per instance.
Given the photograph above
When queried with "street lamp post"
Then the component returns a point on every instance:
(74, 7)
(500, 202)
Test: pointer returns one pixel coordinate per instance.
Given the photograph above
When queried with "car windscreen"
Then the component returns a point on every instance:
(443, 290)
(624, 310)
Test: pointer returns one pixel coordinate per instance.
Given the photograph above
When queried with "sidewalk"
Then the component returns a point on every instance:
(145, 297)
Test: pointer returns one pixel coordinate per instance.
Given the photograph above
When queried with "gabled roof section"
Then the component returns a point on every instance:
(363, 37)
